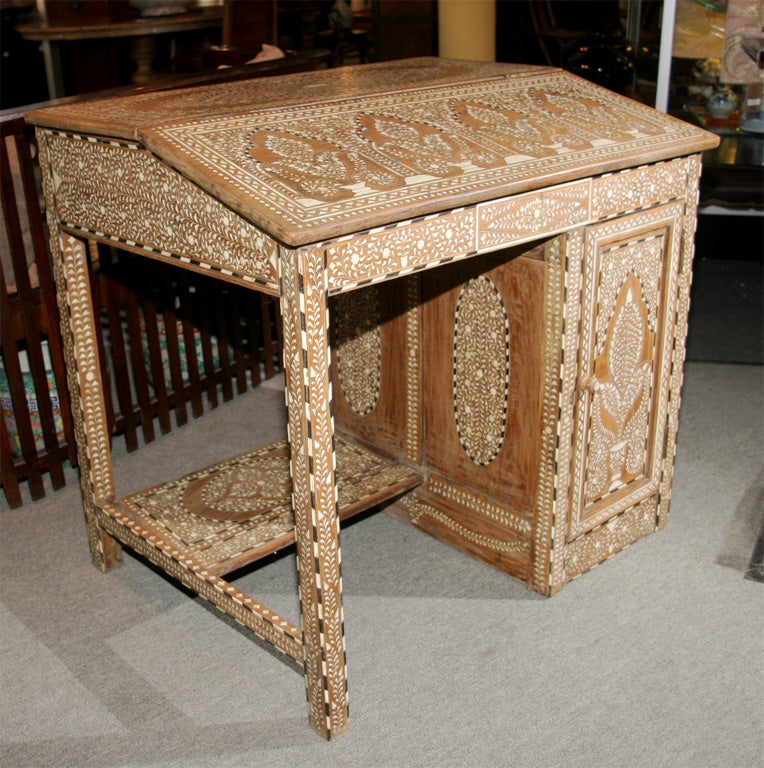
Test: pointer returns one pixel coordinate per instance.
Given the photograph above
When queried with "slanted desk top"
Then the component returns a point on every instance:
(317, 155)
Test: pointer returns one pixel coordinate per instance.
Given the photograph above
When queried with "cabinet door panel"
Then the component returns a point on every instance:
(483, 331)
(629, 286)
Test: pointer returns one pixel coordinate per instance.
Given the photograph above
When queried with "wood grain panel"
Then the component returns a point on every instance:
(512, 475)
(394, 424)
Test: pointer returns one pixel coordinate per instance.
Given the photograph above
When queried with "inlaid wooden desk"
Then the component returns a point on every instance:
(505, 253)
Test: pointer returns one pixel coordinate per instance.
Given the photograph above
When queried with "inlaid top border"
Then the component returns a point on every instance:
(333, 161)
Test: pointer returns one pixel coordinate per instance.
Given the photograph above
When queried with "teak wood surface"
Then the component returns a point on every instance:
(530, 383)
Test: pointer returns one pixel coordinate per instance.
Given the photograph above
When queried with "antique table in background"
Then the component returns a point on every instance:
(505, 253)
(141, 32)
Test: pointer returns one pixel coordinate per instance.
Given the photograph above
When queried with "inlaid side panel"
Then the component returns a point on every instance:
(357, 320)
(627, 331)
(121, 192)
(483, 331)
(487, 358)
(481, 366)
(376, 343)
(684, 280)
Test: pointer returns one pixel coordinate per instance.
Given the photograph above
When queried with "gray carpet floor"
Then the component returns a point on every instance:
(652, 659)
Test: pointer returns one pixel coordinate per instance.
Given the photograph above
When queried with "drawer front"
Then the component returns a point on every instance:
(636, 188)
(532, 216)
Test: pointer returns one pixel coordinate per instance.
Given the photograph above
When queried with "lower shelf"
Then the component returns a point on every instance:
(239, 510)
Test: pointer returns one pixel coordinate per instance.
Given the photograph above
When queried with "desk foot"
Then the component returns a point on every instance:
(111, 552)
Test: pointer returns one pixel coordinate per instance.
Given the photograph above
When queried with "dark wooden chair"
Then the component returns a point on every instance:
(36, 433)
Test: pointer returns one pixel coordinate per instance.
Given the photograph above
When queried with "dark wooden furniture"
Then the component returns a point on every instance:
(84, 57)
(33, 439)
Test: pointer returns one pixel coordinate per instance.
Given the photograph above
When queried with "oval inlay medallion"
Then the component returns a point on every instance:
(481, 369)
(358, 344)
(241, 491)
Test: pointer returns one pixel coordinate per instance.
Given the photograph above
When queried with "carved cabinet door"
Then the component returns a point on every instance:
(629, 284)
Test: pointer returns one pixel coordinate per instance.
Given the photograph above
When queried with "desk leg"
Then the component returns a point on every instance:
(91, 429)
(314, 495)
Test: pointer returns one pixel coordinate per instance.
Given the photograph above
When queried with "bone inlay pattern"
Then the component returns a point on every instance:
(639, 187)
(307, 357)
(535, 389)
(507, 518)
(481, 369)
(684, 280)
(364, 157)
(556, 430)
(240, 507)
(358, 342)
(141, 202)
(612, 536)
(628, 336)
(528, 216)
(398, 250)
(121, 115)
